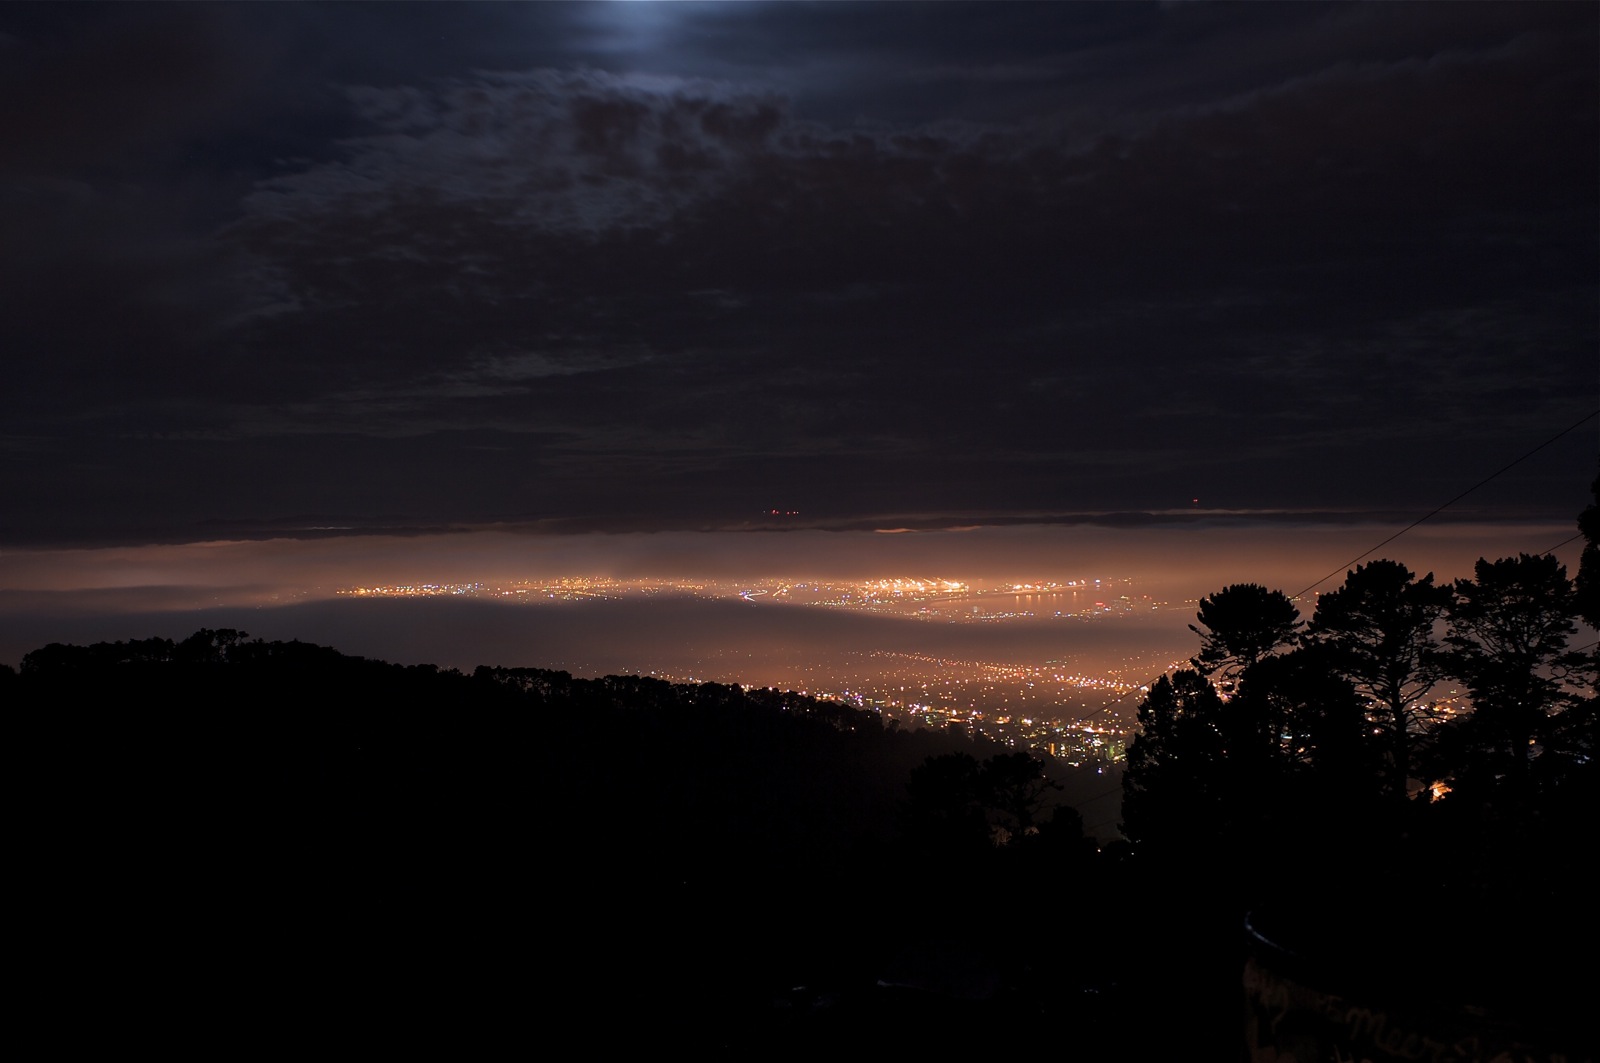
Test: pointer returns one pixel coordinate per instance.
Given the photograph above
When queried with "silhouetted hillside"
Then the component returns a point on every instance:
(230, 828)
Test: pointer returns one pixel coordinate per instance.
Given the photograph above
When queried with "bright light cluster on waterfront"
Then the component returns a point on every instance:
(930, 599)
(412, 590)
(567, 589)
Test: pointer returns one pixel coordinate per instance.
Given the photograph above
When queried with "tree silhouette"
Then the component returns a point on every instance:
(209, 646)
(1297, 711)
(1588, 579)
(1378, 629)
(1584, 729)
(1172, 787)
(957, 803)
(1017, 792)
(1244, 623)
(1509, 628)
(945, 813)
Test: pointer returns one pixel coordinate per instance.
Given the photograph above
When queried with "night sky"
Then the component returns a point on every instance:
(637, 265)
(292, 271)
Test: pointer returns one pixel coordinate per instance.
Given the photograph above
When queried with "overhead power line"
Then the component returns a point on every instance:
(1435, 512)
(1559, 545)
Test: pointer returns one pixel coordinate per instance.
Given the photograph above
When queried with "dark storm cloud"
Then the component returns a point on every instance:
(652, 262)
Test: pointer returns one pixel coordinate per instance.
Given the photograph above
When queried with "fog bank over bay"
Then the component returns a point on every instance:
(291, 589)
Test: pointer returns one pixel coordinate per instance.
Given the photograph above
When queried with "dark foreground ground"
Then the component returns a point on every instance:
(283, 849)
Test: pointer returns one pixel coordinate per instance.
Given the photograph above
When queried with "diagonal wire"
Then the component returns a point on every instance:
(1559, 545)
(1434, 513)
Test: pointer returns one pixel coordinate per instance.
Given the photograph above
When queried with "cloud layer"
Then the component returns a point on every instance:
(686, 263)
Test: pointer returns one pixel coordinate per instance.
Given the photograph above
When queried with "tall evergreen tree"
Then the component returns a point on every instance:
(1584, 728)
(1307, 720)
(1509, 632)
(1378, 631)
(1588, 580)
(1173, 787)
